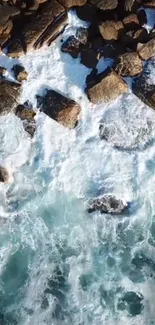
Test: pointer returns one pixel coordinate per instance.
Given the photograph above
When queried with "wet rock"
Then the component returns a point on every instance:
(100, 90)
(9, 93)
(144, 90)
(141, 36)
(146, 51)
(19, 73)
(107, 204)
(129, 65)
(2, 71)
(105, 4)
(27, 114)
(72, 3)
(6, 12)
(89, 58)
(4, 175)
(97, 43)
(133, 302)
(149, 3)
(142, 17)
(131, 38)
(87, 12)
(82, 35)
(71, 46)
(111, 30)
(129, 5)
(131, 22)
(60, 108)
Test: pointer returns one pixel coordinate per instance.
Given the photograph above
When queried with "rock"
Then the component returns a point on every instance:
(141, 36)
(90, 77)
(88, 12)
(6, 12)
(129, 65)
(111, 30)
(71, 46)
(2, 71)
(129, 5)
(112, 50)
(105, 4)
(72, 3)
(82, 35)
(131, 22)
(19, 73)
(37, 30)
(144, 90)
(97, 43)
(89, 58)
(131, 38)
(100, 90)
(4, 175)
(142, 17)
(27, 114)
(107, 204)
(133, 302)
(9, 93)
(149, 3)
(61, 109)
(146, 51)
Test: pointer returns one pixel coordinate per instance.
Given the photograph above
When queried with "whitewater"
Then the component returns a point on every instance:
(58, 264)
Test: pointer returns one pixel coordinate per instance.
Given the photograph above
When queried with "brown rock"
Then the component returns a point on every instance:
(30, 129)
(141, 36)
(146, 51)
(107, 87)
(149, 3)
(72, 3)
(9, 93)
(89, 58)
(27, 114)
(71, 46)
(19, 73)
(129, 5)
(129, 65)
(4, 175)
(6, 12)
(61, 109)
(131, 22)
(110, 30)
(39, 24)
(105, 4)
(2, 71)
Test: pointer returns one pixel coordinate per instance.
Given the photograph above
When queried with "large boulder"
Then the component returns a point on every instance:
(111, 30)
(9, 93)
(106, 87)
(129, 65)
(105, 4)
(4, 175)
(60, 108)
(146, 51)
(107, 204)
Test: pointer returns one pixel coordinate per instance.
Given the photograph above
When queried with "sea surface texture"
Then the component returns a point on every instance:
(60, 265)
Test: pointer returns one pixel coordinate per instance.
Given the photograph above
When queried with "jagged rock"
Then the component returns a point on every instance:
(89, 58)
(107, 87)
(19, 73)
(131, 22)
(71, 46)
(132, 301)
(27, 114)
(37, 30)
(105, 4)
(82, 35)
(146, 51)
(129, 65)
(107, 204)
(144, 90)
(111, 30)
(9, 93)
(60, 108)
(4, 175)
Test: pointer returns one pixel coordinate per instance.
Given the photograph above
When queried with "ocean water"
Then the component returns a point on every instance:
(58, 264)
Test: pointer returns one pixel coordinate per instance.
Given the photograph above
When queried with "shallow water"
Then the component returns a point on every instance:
(60, 265)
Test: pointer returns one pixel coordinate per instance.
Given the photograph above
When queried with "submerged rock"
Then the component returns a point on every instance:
(9, 93)
(82, 35)
(107, 87)
(107, 204)
(19, 73)
(60, 108)
(133, 302)
(71, 46)
(4, 175)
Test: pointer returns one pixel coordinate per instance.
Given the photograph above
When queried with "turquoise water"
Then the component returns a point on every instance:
(60, 265)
